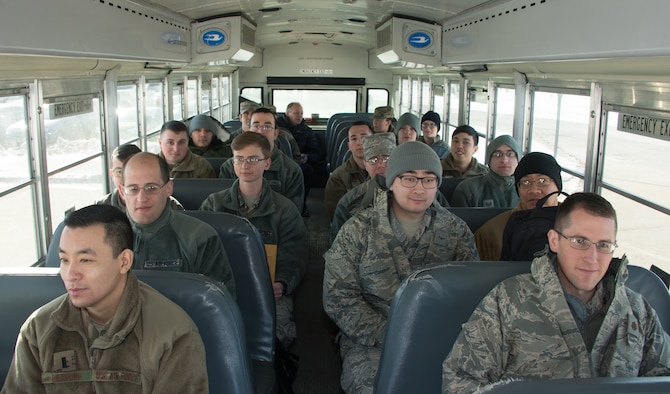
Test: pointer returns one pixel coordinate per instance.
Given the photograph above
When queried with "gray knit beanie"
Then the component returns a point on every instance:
(202, 122)
(503, 140)
(413, 156)
(411, 120)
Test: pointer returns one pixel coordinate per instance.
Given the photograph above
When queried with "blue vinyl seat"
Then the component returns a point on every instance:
(432, 303)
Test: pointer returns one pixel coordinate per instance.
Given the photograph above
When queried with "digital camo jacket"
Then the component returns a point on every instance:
(366, 264)
(524, 329)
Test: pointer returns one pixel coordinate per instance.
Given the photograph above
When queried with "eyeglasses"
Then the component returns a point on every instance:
(256, 127)
(149, 188)
(498, 154)
(378, 159)
(540, 182)
(428, 125)
(411, 181)
(252, 161)
(117, 172)
(580, 243)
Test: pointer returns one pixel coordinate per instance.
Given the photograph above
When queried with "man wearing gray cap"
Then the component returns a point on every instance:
(408, 128)
(382, 120)
(204, 140)
(377, 148)
(378, 248)
(495, 189)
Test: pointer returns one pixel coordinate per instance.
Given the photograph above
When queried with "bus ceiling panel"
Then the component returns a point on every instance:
(549, 30)
(343, 22)
(122, 29)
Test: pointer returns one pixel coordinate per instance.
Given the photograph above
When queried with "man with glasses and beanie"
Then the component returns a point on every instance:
(496, 188)
(164, 239)
(571, 317)
(377, 148)
(430, 127)
(378, 248)
(283, 175)
(276, 217)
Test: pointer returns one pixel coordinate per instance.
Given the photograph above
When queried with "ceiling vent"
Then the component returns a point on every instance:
(229, 38)
(405, 40)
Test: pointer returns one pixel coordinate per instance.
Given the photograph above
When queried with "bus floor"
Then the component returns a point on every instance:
(320, 365)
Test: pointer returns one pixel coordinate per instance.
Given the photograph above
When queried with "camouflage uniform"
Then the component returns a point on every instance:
(193, 166)
(490, 190)
(114, 200)
(361, 197)
(279, 223)
(524, 328)
(363, 269)
(284, 176)
(474, 169)
(344, 178)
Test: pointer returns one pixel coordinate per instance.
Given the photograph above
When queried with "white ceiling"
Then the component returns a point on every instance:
(339, 22)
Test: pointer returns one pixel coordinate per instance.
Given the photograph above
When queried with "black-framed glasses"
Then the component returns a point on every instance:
(149, 188)
(378, 159)
(428, 182)
(581, 243)
(257, 127)
(252, 161)
(498, 154)
(540, 182)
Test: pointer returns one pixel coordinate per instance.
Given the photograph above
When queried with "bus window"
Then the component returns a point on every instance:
(154, 106)
(176, 103)
(204, 99)
(192, 94)
(253, 94)
(126, 110)
(224, 100)
(72, 138)
(640, 227)
(454, 106)
(636, 163)
(416, 94)
(504, 111)
(404, 95)
(377, 98)
(322, 102)
(478, 120)
(16, 207)
(425, 97)
(560, 128)
(438, 103)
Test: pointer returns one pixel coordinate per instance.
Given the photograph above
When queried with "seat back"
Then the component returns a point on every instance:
(216, 162)
(432, 303)
(448, 186)
(475, 217)
(209, 304)
(654, 291)
(425, 320)
(191, 192)
(656, 385)
(255, 297)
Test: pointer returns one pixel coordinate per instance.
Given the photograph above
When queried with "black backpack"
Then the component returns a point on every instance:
(525, 235)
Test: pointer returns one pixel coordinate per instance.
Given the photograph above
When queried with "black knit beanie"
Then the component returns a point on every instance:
(539, 163)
